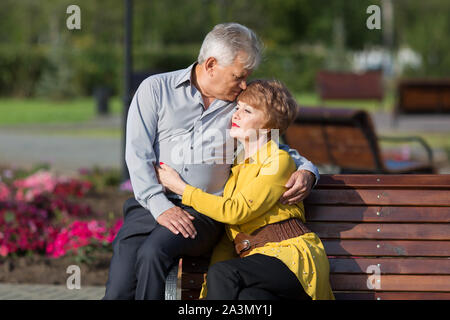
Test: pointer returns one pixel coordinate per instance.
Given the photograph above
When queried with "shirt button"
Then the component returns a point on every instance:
(186, 169)
(251, 201)
(192, 147)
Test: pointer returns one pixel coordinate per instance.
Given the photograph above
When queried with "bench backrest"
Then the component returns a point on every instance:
(423, 96)
(346, 85)
(386, 236)
(341, 137)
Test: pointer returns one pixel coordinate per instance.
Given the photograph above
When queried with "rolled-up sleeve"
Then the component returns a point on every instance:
(142, 124)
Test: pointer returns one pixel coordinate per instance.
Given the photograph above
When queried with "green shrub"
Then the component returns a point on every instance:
(66, 72)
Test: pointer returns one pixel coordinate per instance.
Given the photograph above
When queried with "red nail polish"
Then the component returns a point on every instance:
(161, 163)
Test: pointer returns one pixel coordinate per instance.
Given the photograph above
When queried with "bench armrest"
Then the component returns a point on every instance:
(418, 139)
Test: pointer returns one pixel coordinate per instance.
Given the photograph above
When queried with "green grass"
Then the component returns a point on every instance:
(311, 99)
(436, 140)
(16, 111)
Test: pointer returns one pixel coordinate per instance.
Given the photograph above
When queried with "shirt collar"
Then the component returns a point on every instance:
(185, 75)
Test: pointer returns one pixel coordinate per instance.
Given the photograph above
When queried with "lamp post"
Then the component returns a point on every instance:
(127, 83)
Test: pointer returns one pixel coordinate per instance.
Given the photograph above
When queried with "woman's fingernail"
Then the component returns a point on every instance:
(161, 163)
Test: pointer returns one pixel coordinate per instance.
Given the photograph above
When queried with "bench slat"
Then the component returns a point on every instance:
(380, 197)
(422, 181)
(194, 264)
(392, 282)
(387, 248)
(360, 265)
(190, 294)
(192, 280)
(391, 265)
(401, 231)
(377, 214)
(392, 295)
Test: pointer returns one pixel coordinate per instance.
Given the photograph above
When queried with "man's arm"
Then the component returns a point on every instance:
(302, 181)
(142, 124)
(301, 162)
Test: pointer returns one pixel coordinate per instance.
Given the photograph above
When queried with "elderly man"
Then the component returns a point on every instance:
(175, 118)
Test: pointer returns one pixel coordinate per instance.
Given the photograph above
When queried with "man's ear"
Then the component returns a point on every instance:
(210, 64)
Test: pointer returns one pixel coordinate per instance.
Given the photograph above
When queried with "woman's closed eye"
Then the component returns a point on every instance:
(246, 110)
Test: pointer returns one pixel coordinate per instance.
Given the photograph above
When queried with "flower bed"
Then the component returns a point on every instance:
(43, 213)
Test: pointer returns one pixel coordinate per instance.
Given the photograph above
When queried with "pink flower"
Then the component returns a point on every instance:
(126, 186)
(3, 250)
(4, 192)
(80, 234)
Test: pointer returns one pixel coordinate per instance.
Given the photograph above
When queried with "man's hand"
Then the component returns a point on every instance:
(177, 220)
(300, 184)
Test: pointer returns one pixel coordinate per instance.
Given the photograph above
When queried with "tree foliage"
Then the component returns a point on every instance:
(170, 33)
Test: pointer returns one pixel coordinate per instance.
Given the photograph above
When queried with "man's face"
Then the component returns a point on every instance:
(226, 82)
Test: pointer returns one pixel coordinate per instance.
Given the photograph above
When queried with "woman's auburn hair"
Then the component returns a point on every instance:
(274, 99)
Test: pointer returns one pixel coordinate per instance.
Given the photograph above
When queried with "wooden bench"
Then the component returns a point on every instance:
(350, 86)
(422, 96)
(386, 237)
(346, 138)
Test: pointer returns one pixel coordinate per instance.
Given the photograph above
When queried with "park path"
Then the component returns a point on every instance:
(64, 146)
(48, 292)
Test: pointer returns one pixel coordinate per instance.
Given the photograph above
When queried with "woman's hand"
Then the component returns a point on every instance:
(170, 179)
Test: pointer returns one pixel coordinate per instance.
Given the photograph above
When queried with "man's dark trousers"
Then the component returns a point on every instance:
(144, 252)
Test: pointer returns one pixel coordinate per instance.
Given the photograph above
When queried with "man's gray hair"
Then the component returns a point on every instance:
(226, 40)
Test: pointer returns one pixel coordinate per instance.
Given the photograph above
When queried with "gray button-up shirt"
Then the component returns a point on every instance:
(167, 122)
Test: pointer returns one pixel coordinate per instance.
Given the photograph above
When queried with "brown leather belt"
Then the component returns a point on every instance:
(275, 232)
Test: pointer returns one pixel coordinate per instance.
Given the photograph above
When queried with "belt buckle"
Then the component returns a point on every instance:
(246, 242)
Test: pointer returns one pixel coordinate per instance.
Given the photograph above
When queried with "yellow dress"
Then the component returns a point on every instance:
(250, 201)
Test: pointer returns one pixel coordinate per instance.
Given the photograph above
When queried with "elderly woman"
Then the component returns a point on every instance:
(279, 257)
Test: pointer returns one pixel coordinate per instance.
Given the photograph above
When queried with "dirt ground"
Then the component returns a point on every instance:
(43, 270)
(39, 269)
